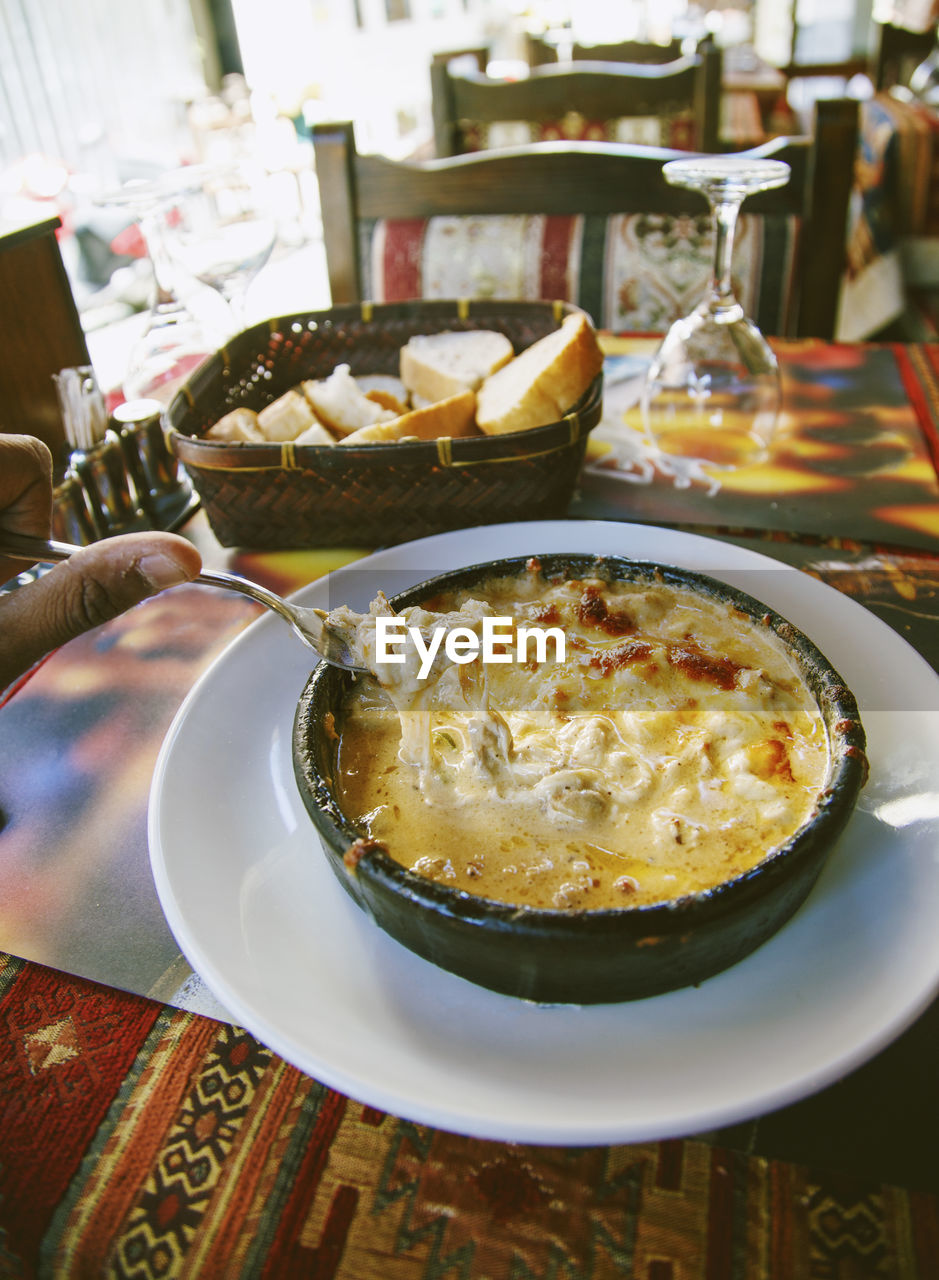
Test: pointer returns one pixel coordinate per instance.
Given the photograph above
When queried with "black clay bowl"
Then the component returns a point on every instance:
(586, 956)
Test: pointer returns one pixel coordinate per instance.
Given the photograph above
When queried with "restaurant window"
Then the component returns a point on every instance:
(811, 31)
(81, 94)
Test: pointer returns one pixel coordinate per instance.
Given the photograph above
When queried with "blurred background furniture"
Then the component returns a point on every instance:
(893, 243)
(630, 51)
(240, 83)
(543, 51)
(672, 104)
(753, 100)
(591, 223)
(477, 58)
(751, 89)
(41, 329)
(896, 52)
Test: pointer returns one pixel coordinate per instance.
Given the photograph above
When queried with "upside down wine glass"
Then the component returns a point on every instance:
(712, 391)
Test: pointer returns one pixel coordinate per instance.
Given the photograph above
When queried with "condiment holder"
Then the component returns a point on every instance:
(163, 488)
(120, 476)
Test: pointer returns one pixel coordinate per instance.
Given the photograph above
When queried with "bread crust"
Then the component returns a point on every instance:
(341, 405)
(316, 434)
(240, 426)
(543, 382)
(432, 370)
(286, 417)
(529, 390)
(454, 416)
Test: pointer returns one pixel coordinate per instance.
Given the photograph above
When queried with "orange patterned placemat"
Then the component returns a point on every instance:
(853, 456)
(142, 1141)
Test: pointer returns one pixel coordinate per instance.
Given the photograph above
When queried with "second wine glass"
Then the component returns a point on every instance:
(712, 391)
(173, 340)
(223, 235)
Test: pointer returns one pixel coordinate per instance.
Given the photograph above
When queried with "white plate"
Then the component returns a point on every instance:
(254, 906)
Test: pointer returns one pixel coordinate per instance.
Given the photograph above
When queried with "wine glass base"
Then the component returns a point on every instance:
(726, 447)
(712, 392)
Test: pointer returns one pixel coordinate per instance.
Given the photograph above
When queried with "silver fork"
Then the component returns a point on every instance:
(310, 625)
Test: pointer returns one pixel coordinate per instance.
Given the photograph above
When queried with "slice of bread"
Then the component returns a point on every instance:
(285, 417)
(341, 405)
(436, 366)
(317, 434)
(386, 400)
(454, 416)
(240, 426)
(542, 383)
(385, 382)
(377, 433)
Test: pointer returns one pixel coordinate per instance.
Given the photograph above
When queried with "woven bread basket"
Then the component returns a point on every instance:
(269, 496)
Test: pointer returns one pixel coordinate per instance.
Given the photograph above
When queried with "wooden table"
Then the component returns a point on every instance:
(143, 1137)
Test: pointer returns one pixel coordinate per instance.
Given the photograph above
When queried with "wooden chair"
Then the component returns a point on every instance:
(584, 195)
(543, 52)
(540, 52)
(476, 53)
(627, 51)
(897, 53)
(584, 103)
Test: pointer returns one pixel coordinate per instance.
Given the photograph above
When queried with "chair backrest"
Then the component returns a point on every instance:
(627, 51)
(543, 52)
(678, 104)
(540, 52)
(897, 53)
(478, 54)
(592, 223)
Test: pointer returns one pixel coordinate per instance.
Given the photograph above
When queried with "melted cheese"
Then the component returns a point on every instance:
(673, 748)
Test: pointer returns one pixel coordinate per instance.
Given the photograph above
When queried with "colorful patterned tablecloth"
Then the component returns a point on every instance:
(140, 1139)
(854, 454)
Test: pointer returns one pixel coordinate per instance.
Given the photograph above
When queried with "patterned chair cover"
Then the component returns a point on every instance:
(631, 272)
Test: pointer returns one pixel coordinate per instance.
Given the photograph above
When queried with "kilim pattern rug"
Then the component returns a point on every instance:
(138, 1141)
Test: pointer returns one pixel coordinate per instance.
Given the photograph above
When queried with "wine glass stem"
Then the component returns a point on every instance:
(151, 227)
(725, 213)
(234, 295)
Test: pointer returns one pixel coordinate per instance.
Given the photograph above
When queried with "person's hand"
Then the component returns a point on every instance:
(95, 585)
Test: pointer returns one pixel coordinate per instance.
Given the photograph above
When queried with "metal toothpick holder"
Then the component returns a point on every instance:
(120, 476)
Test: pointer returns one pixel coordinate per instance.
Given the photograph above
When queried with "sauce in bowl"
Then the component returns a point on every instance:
(675, 745)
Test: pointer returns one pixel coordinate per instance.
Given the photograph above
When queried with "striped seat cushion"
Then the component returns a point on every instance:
(676, 129)
(631, 272)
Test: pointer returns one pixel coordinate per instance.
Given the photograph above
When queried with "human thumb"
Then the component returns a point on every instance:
(99, 582)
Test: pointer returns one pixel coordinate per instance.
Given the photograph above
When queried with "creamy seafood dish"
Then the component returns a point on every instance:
(606, 743)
